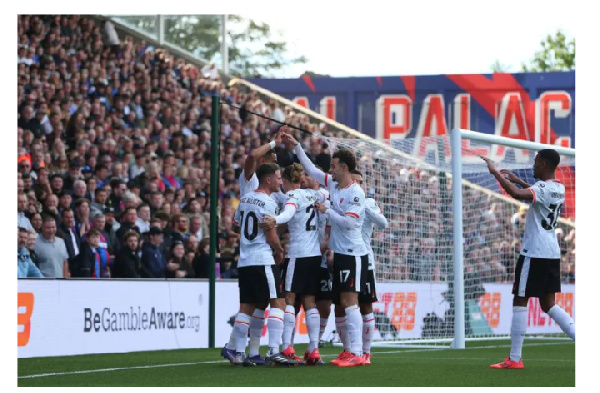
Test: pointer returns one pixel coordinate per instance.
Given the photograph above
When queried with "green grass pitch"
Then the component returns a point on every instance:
(547, 363)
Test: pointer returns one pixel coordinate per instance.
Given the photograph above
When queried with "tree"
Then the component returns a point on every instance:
(556, 55)
(498, 67)
(253, 48)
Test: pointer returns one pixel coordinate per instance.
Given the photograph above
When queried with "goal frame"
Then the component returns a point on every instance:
(457, 135)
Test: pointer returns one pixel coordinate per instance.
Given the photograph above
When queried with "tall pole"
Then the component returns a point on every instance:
(457, 209)
(214, 190)
(224, 48)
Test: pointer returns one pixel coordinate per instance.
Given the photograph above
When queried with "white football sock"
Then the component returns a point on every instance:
(341, 325)
(518, 327)
(312, 324)
(242, 324)
(256, 326)
(354, 329)
(289, 323)
(231, 343)
(322, 327)
(563, 319)
(275, 327)
(367, 331)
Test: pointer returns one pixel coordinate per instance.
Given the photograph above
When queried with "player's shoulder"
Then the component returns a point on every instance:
(356, 189)
(370, 203)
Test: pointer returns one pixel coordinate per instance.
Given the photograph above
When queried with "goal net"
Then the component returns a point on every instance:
(411, 180)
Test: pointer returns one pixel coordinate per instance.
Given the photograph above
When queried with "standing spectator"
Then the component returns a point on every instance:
(119, 188)
(143, 220)
(22, 221)
(92, 261)
(31, 236)
(51, 208)
(99, 204)
(64, 200)
(127, 262)
(156, 202)
(51, 251)
(179, 223)
(79, 190)
(82, 216)
(74, 175)
(99, 224)
(127, 225)
(111, 227)
(69, 234)
(25, 266)
(36, 222)
(177, 266)
(56, 183)
(153, 259)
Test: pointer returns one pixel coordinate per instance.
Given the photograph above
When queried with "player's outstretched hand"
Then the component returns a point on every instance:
(320, 207)
(267, 223)
(278, 258)
(288, 138)
(510, 176)
(490, 165)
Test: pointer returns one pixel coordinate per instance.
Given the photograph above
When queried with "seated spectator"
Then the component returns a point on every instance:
(92, 260)
(51, 251)
(202, 260)
(127, 262)
(153, 261)
(25, 266)
(178, 266)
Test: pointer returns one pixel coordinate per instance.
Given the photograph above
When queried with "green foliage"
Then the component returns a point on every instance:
(252, 48)
(556, 54)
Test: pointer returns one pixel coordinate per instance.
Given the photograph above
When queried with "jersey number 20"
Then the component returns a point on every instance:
(550, 222)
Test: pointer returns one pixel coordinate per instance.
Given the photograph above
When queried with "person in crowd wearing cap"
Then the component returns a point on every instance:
(127, 262)
(153, 262)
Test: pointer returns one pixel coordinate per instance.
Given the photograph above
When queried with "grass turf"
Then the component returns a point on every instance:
(546, 364)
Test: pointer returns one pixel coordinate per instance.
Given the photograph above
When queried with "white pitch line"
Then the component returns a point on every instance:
(103, 370)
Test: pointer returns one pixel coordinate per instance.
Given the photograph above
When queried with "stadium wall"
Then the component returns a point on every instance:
(532, 106)
(73, 317)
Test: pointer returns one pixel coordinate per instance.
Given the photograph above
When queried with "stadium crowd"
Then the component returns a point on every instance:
(114, 169)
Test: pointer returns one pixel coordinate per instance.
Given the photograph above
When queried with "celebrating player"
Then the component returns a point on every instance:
(259, 276)
(350, 262)
(302, 262)
(538, 269)
(373, 216)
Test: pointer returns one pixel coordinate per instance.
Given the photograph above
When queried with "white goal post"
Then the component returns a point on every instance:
(457, 148)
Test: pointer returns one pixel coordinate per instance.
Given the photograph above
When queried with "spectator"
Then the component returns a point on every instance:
(64, 200)
(127, 262)
(31, 236)
(79, 190)
(202, 260)
(143, 220)
(119, 188)
(153, 261)
(22, 221)
(51, 251)
(179, 223)
(99, 224)
(25, 266)
(92, 261)
(56, 183)
(69, 234)
(51, 208)
(129, 217)
(178, 267)
(82, 216)
(36, 222)
(156, 202)
(99, 204)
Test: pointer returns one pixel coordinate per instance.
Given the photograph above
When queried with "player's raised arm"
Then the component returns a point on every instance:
(514, 178)
(507, 185)
(252, 159)
(308, 165)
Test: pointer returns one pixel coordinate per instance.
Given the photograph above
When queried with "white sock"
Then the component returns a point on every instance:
(322, 327)
(289, 323)
(275, 327)
(367, 331)
(242, 324)
(341, 325)
(563, 319)
(518, 327)
(231, 343)
(256, 326)
(354, 329)
(312, 324)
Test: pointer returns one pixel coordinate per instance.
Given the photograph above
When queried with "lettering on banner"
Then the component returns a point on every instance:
(25, 301)
(400, 307)
(490, 308)
(393, 116)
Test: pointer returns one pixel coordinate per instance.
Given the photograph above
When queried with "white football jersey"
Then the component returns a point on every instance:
(540, 240)
(247, 186)
(254, 249)
(348, 201)
(303, 227)
(371, 209)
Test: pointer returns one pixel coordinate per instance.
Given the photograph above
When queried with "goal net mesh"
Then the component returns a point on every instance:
(412, 183)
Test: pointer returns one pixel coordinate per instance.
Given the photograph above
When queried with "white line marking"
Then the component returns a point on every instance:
(103, 370)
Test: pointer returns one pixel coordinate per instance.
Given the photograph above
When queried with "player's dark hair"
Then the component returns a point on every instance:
(550, 156)
(266, 170)
(347, 157)
(356, 172)
(293, 173)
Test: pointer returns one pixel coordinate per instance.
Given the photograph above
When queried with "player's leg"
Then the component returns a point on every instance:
(547, 302)
(289, 320)
(257, 324)
(276, 315)
(323, 297)
(241, 327)
(366, 298)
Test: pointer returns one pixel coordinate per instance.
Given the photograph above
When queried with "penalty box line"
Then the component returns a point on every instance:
(103, 370)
